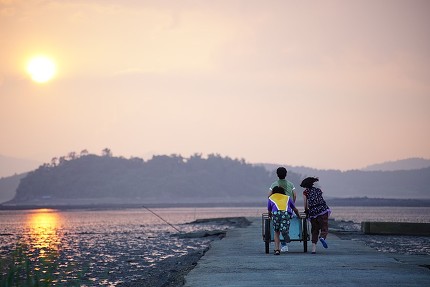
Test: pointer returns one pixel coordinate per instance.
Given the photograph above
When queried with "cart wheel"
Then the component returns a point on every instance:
(305, 235)
(267, 234)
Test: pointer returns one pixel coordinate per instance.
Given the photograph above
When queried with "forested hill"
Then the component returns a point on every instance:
(95, 179)
(92, 179)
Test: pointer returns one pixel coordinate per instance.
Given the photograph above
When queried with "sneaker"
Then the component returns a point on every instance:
(277, 252)
(284, 248)
(324, 244)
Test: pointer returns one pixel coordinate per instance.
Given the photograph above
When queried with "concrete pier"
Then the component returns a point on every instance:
(240, 260)
(396, 228)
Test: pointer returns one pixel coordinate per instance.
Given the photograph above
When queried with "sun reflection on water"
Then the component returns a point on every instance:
(43, 227)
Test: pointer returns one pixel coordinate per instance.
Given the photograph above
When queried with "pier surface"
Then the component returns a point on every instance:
(240, 260)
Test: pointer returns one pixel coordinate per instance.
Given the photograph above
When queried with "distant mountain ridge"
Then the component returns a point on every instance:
(8, 186)
(404, 164)
(403, 183)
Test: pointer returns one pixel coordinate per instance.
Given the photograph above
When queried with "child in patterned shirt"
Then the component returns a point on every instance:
(317, 210)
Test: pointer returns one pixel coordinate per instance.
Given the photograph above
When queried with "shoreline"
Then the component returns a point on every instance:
(353, 202)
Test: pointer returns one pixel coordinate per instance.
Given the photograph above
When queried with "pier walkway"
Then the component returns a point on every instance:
(240, 260)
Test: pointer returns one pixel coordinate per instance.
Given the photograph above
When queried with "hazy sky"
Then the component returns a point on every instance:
(327, 84)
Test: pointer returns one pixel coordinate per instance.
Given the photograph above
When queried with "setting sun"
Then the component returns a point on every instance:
(41, 69)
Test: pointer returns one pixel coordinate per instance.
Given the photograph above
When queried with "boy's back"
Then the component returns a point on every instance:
(286, 185)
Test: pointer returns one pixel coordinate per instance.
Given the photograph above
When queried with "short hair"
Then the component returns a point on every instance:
(281, 172)
(278, 189)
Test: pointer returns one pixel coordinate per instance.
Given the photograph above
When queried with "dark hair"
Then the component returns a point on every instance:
(281, 172)
(309, 182)
(278, 189)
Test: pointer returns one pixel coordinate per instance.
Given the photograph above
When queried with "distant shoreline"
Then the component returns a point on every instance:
(359, 201)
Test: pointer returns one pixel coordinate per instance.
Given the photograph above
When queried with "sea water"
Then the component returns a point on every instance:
(70, 228)
(122, 243)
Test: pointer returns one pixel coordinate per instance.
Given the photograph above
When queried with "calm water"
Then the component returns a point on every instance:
(102, 244)
(45, 227)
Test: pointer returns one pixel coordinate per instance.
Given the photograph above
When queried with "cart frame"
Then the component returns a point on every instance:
(299, 230)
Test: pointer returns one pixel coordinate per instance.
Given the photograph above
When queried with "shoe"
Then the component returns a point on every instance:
(284, 248)
(277, 252)
(324, 244)
(313, 252)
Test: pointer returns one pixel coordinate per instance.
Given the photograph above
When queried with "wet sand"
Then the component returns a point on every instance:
(172, 271)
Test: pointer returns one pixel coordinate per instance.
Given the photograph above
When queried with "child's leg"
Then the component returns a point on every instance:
(323, 220)
(322, 224)
(285, 230)
(277, 240)
(315, 230)
(276, 227)
(314, 247)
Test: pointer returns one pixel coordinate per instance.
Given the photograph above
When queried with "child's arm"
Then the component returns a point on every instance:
(296, 211)
(305, 203)
(269, 208)
(293, 207)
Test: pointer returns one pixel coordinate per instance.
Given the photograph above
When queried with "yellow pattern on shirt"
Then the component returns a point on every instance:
(280, 200)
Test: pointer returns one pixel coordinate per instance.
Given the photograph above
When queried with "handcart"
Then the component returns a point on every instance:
(299, 230)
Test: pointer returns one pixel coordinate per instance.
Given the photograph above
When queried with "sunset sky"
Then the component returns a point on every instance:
(325, 84)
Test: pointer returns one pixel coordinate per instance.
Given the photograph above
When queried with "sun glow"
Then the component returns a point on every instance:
(41, 69)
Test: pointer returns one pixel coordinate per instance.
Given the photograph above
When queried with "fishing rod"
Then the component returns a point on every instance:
(171, 225)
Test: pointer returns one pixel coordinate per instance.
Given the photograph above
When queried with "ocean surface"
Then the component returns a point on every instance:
(106, 244)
